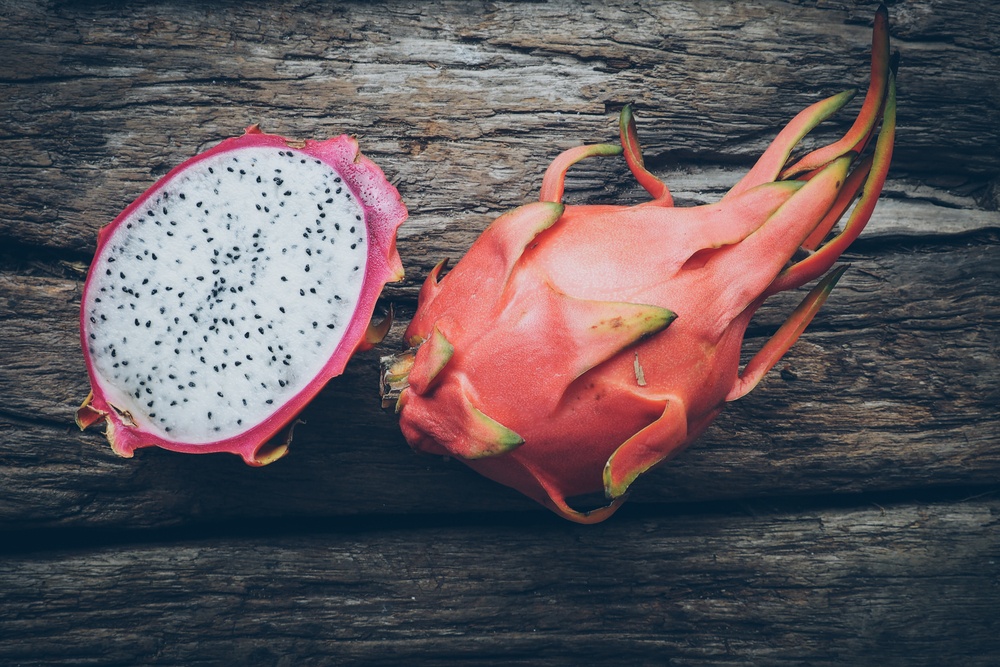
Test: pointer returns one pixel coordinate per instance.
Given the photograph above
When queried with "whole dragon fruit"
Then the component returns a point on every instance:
(575, 347)
(224, 298)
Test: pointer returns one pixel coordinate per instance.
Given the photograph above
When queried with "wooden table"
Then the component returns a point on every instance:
(846, 512)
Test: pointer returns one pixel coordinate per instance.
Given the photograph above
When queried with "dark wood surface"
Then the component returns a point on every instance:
(844, 513)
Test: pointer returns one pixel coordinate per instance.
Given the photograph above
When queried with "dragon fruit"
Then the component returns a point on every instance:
(575, 347)
(224, 298)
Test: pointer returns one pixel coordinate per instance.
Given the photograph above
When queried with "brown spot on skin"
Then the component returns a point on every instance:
(615, 323)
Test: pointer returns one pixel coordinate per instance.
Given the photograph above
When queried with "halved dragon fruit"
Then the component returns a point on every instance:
(224, 298)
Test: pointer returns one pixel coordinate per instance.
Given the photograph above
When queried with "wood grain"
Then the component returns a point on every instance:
(912, 583)
(465, 103)
(844, 513)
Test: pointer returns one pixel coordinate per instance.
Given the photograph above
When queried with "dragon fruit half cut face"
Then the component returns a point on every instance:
(575, 347)
(224, 298)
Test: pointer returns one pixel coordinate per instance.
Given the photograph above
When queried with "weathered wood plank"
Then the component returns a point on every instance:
(352, 550)
(905, 584)
(464, 104)
(895, 386)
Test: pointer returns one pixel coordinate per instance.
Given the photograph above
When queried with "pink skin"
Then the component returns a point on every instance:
(384, 213)
(599, 341)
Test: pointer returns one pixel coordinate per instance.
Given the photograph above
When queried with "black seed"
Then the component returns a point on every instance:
(269, 401)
